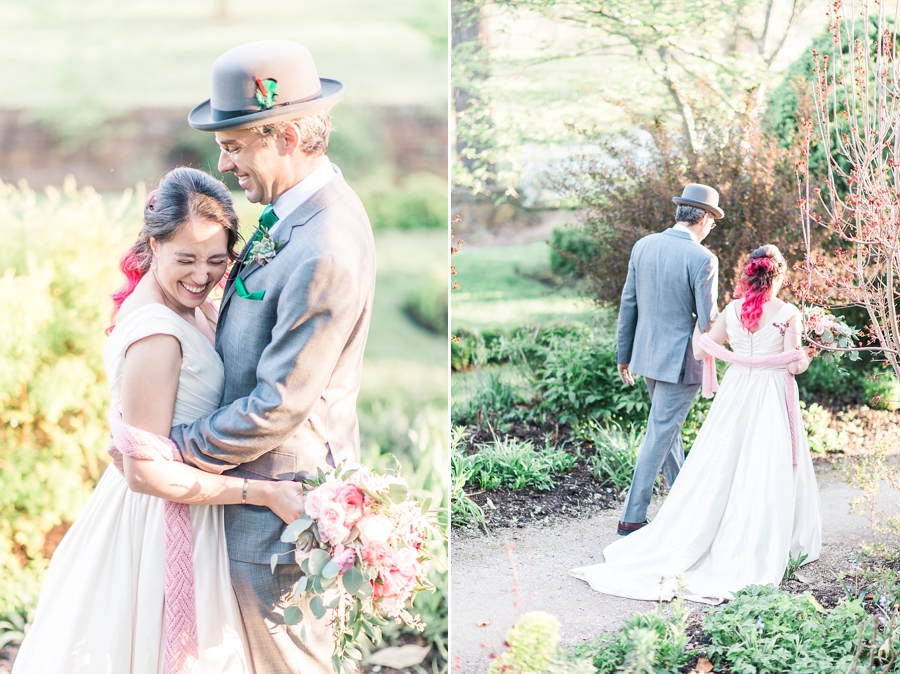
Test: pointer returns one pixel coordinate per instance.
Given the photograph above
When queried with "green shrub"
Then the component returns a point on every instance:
(532, 644)
(568, 247)
(517, 464)
(419, 201)
(578, 379)
(428, 305)
(492, 400)
(767, 630)
(842, 386)
(464, 510)
(649, 643)
(614, 452)
(58, 256)
(822, 438)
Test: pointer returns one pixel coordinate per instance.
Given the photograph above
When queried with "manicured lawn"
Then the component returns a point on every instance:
(500, 288)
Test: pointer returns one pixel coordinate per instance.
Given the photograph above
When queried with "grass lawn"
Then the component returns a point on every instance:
(402, 359)
(500, 289)
(107, 54)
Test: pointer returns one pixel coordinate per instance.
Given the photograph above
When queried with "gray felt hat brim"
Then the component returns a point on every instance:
(205, 118)
(717, 212)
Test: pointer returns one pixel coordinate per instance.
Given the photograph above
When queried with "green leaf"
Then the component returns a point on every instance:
(326, 583)
(336, 663)
(304, 565)
(353, 580)
(292, 615)
(365, 590)
(320, 475)
(303, 634)
(318, 558)
(295, 528)
(301, 586)
(317, 607)
(397, 493)
(331, 569)
(273, 561)
(426, 505)
(353, 652)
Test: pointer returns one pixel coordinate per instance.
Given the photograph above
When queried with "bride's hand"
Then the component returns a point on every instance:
(285, 499)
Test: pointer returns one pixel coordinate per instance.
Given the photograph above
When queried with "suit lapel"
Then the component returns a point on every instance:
(319, 201)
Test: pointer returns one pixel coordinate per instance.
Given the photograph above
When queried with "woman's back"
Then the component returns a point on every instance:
(767, 339)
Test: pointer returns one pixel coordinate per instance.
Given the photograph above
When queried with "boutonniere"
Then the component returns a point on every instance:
(264, 248)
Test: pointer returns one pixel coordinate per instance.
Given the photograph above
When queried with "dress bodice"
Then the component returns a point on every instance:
(202, 376)
(768, 340)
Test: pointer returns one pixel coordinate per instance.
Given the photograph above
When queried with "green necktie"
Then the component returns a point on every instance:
(268, 218)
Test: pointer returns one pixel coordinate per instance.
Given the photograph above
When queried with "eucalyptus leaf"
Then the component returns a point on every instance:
(398, 493)
(295, 528)
(317, 607)
(331, 569)
(325, 583)
(301, 586)
(292, 615)
(318, 558)
(353, 580)
(273, 561)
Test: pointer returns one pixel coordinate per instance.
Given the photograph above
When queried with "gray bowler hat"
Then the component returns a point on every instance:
(262, 83)
(701, 196)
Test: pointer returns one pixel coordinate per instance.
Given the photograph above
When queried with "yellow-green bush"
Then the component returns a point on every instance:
(58, 255)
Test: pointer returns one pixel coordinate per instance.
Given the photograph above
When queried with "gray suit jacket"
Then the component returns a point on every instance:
(672, 284)
(293, 362)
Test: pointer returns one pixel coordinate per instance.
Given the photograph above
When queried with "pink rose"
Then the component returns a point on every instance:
(374, 528)
(377, 554)
(318, 498)
(331, 524)
(344, 556)
(407, 563)
(351, 498)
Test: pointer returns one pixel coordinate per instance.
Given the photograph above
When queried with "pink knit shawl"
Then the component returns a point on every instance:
(181, 619)
(711, 384)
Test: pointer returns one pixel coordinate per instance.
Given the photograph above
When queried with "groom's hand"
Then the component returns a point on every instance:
(625, 374)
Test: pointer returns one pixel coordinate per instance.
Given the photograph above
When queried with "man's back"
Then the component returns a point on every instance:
(672, 283)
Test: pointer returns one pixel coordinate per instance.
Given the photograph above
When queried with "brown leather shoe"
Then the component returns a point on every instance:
(626, 528)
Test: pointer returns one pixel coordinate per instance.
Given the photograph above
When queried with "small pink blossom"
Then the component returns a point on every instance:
(351, 499)
(344, 556)
(319, 497)
(407, 563)
(331, 523)
(374, 528)
(377, 554)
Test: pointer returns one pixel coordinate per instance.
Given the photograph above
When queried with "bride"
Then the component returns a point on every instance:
(101, 609)
(742, 506)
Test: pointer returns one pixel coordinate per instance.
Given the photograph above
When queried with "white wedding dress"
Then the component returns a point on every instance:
(739, 507)
(101, 609)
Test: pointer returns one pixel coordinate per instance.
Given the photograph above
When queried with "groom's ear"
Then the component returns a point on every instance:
(290, 139)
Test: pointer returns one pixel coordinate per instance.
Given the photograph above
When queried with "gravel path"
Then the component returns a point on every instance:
(498, 576)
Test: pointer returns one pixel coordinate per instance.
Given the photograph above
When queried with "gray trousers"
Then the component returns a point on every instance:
(662, 448)
(276, 648)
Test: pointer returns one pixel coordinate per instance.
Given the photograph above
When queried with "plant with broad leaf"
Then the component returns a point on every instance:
(360, 547)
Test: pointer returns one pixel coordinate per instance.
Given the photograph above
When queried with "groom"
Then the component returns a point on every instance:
(292, 326)
(671, 286)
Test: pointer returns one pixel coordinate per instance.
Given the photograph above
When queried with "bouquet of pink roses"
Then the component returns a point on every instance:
(360, 547)
(827, 333)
